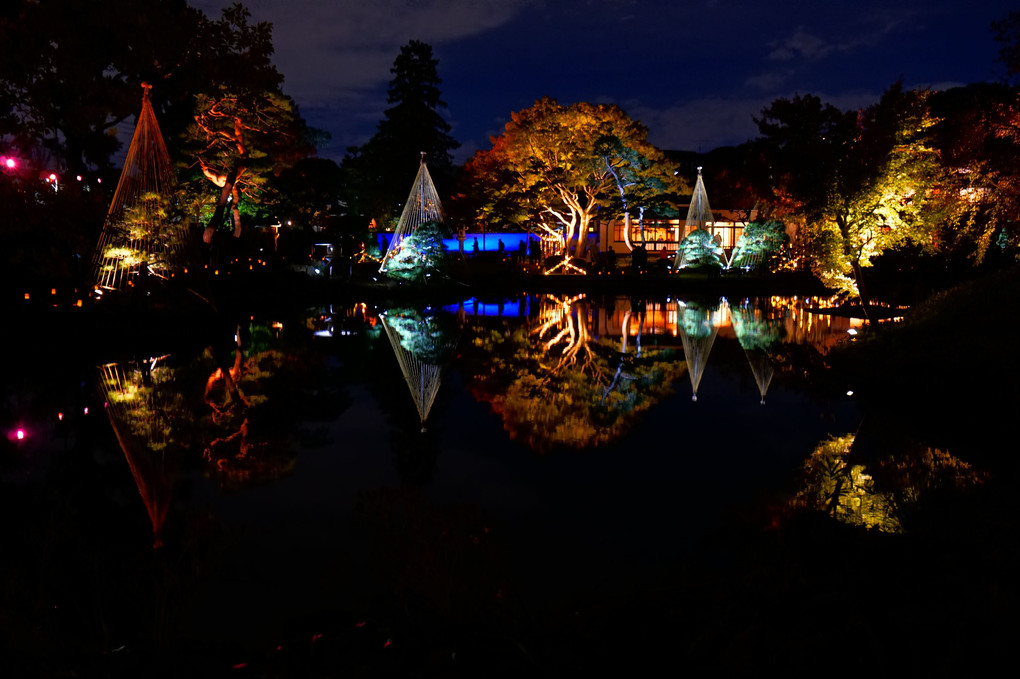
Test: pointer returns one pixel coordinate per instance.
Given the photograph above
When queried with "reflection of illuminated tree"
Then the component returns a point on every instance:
(557, 387)
(697, 332)
(147, 413)
(878, 495)
(758, 335)
(248, 439)
(422, 343)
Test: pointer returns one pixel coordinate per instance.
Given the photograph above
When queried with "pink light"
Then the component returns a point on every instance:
(86, 410)
(60, 416)
(10, 163)
(53, 177)
(20, 435)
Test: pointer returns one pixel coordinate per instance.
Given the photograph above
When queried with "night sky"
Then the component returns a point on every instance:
(693, 72)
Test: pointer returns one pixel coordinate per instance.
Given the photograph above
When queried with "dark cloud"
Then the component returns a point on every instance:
(694, 73)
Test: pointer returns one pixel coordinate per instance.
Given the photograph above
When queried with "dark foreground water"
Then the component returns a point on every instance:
(515, 487)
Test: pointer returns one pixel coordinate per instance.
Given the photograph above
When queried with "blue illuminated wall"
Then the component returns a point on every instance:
(488, 242)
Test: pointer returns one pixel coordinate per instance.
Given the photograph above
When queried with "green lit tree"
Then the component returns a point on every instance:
(860, 182)
(421, 254)
(699, 250)
(763, 246)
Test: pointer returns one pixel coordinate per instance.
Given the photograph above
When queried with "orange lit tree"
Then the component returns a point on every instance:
(245, 128)
(559, 165)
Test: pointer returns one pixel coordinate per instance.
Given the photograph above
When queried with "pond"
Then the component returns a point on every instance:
(508, 483)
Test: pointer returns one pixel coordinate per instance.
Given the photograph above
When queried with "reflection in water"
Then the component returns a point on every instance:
(882, 492)
(698, 326)
(758, 333)
(558, 386)
(423, 343)
(145, 411)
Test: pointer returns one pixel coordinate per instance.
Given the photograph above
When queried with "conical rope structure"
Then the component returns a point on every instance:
(139, 421)
(422, 206)
(142, 234)
(697, 333)
(699, 213)
(423, 379)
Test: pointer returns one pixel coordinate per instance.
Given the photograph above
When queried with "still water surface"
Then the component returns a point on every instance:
(427, 478)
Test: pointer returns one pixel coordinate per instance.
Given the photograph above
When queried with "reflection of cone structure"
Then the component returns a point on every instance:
(422, 206)
(756, 335)
(697, 332)
(139, 423)
(423, 379)
(761, 366)
(140, 234)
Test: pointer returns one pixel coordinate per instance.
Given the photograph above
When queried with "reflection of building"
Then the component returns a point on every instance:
(663, 235)
(800, 326)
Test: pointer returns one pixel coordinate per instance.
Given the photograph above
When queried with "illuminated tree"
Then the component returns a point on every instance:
(762, 246)
(244, 127)
(699, 250)
(560, 165)
(421, 255)
(861, 182)
(978, 134)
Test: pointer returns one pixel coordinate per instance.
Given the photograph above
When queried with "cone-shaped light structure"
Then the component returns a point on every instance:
(142, 234)
(422, 206)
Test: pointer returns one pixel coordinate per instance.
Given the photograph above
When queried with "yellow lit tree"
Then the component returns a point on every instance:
(869, 178)
(558, 165)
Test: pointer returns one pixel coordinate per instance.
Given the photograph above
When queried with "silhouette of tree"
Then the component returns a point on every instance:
(379, 172)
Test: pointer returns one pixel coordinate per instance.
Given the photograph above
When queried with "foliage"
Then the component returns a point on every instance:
(978, 135)
(421, 255)
(245, 128)
(375, 172)
(560, 165)
(69, 74)
(755, 329)
(763, 246)
(699, 250)
(1007, 34)
(831, 481)
(861, 181)
(429, 336)
(556, 387)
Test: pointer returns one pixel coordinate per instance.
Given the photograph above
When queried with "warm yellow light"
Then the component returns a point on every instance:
(53, 291)
(27, 296)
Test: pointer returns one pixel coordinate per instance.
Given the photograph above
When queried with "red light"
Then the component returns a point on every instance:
(53, 177)
(10, 163)
(20, 434)
(60, 416)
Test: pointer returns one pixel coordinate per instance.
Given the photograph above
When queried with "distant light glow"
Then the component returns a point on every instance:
(20, 434)
(852, 331)
(850, 392)
(10, 163)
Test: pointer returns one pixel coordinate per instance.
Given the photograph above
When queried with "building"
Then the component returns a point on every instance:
(662, 236)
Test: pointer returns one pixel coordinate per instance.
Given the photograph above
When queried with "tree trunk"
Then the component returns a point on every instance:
(221, 206)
